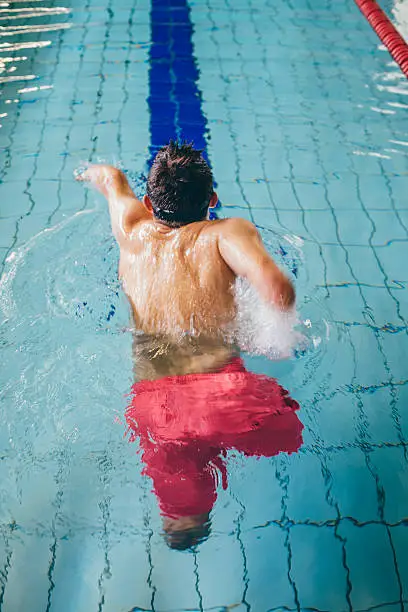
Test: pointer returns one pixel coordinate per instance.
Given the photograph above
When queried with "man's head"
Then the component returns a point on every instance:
(179, 186)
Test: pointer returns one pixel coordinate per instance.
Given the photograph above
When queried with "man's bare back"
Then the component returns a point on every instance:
(176, 280)
(180, 279)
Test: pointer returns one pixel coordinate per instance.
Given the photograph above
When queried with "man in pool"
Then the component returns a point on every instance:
(177, 267)
(178, 270)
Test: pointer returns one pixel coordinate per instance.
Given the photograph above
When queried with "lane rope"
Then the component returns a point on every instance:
(386, 32)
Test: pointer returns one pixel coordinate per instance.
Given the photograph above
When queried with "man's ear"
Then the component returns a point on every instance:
(213, 201)
(147, 203)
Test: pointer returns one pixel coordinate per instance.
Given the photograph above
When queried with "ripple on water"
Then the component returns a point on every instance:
(66, 362)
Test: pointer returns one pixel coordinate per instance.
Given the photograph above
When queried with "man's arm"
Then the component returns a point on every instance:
(242, 249)
(124, 207)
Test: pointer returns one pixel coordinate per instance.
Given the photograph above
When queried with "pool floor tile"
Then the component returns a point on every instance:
(318, 568)
(306, 490)
(355, 497)
(221, 569)
(391, 466)
(370, 561)
(267, 557)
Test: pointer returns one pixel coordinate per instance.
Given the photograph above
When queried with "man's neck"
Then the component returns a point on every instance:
(174, 226)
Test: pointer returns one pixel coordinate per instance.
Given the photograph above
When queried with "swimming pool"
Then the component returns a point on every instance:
(304, 121)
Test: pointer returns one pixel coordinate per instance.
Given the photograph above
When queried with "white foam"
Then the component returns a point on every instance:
(262, 328)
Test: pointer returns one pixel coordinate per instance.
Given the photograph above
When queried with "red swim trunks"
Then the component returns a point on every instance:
(186, 424)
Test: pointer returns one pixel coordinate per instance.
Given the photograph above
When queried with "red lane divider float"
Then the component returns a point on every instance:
(386, 32)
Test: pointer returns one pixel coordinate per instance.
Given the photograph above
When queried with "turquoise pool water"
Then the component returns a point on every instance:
(303, 118)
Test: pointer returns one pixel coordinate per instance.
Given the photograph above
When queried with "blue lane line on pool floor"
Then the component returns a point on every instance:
(174, 98)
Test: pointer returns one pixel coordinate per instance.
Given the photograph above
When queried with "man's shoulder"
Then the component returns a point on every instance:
(233, 226)
(138, 233)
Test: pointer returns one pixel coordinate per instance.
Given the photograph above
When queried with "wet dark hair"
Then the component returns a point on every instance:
(179, 185)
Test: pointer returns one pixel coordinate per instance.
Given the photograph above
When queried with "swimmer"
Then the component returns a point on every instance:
(178, 270)
(177, 267)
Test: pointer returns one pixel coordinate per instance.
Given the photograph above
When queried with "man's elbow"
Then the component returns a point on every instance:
(289, 295)
(281, 292)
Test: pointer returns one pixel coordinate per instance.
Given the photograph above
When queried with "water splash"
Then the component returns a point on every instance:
(262, 328)
(17, 260)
